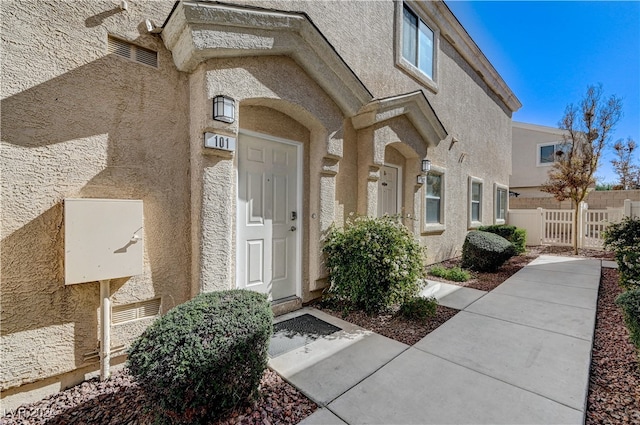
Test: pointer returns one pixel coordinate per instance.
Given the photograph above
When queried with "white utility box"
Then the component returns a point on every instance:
(103, 239)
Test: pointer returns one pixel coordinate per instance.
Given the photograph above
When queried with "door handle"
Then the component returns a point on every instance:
(293, 228)
(294, 215)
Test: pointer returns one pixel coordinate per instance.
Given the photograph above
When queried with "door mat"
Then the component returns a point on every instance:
(297, 332)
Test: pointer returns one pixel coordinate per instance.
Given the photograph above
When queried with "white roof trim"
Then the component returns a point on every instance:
(197, 31)
(414, 105)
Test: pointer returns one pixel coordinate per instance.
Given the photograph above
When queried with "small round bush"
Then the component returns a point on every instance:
(374, 263)
(515, 235)
(455, 274)
(630, 303)
(204, 357)
(624, 240)
(418, 308)
(485, 252)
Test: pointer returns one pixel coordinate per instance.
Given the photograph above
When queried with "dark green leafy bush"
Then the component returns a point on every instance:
(630, 303)
(204, 357)
(515, 235)
(419, 308)
(624, 240)
(374, 263)
(455, 274)
(485, 252)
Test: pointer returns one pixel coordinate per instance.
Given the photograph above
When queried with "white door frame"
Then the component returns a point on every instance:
(398, 188)
(299, 204)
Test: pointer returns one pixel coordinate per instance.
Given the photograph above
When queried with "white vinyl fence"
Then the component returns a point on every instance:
(555, 227)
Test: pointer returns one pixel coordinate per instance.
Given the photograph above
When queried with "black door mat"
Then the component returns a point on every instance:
(297, 332)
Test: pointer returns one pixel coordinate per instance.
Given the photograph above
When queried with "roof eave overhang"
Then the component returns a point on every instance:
(455, 33)
(199, 31)
(414, 105)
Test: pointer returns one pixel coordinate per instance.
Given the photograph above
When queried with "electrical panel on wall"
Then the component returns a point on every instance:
(103, 239)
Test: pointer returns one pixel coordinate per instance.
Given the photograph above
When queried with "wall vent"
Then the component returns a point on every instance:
(136, 311)
(132, 52)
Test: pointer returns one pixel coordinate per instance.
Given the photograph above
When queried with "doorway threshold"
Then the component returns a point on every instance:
(286, 305)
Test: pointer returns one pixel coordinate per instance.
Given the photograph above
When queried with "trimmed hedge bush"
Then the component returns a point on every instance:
(374, 263)
(455, 274)
(485, 252)
(515, 235)
(204, 357)
(419, 308)
(624, 240)
(630, 303)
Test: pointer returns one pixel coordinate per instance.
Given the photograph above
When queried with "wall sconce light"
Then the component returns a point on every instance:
(224, 109)
(421, 179)
(426, 165)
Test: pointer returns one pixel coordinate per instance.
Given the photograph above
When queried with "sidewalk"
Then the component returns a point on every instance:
(518, 354)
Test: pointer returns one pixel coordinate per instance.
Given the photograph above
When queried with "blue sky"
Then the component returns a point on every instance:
(548, 52)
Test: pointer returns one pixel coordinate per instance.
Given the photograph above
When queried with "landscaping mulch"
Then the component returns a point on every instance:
(120, 400)
(394, 326)
(614, 384)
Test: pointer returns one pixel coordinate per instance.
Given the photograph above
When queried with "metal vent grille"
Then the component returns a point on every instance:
(130, 312)
(132, 52)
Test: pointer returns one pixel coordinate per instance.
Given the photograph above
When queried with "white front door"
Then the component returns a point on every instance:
(269, 215)
(388, 191)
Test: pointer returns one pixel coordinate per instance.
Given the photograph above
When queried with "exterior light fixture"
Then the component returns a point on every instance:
(224, 109)
(426, 165)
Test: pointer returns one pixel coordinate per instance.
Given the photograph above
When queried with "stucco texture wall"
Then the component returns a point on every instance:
(469, 110)
(79, 122)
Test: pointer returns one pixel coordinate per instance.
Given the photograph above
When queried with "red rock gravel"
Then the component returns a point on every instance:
(120, 400)
(614, 384)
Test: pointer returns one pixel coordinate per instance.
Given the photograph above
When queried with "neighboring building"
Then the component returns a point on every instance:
(534, 150)
(336, 106)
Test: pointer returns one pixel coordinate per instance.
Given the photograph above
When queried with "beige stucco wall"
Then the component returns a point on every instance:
(81, 123)
(77, 122)
(528, 176)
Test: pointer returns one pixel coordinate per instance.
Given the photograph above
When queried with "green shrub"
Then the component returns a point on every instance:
(624, 240)
(204, 357)
(515, 235)
(485, 252)
(455, 274)
(419, 308)
(374, 263)
(630, 303)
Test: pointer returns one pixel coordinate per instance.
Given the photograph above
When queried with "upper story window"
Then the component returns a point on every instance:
(417, 42)
(550, 152)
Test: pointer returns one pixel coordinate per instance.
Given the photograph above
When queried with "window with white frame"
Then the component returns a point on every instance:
(433, 201)
(549, 153)
(475, 202)
(501, 198)
(418, 43)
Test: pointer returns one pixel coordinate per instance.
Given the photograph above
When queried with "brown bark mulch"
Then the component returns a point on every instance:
(120, 400)
(393, 326)
(614, 384)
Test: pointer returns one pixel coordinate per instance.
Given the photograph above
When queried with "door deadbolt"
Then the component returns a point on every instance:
(293, 228)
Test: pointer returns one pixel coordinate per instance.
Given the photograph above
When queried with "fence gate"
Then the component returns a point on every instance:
(557, 227)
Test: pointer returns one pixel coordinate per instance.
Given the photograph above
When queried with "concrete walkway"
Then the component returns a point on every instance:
(519, 354)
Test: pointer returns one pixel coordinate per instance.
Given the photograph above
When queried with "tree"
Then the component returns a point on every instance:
(587, 129)
(628, 172)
